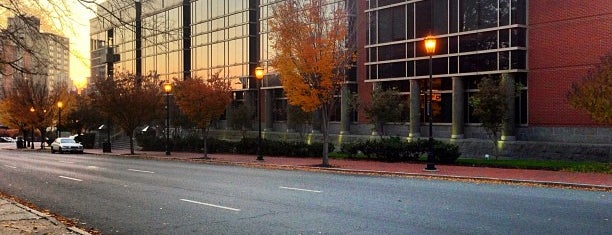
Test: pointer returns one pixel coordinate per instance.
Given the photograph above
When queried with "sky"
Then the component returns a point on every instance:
(79, 43)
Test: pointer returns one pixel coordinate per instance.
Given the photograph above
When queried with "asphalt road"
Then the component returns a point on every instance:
(133, 196)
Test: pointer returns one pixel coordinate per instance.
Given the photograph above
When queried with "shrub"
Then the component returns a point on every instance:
(395, 150)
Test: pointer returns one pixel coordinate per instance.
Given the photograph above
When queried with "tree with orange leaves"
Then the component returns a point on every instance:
(203, 101)
(310, 39)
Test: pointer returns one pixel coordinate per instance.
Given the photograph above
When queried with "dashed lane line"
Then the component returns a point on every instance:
(70, 178)
(211, 205)
(301, 189)
(141, 171)
(9, 166)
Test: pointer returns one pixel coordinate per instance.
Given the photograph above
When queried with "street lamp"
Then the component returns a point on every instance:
(430, 48)
(259, 74)
(60, 105)
(167, 89)
(32, 110)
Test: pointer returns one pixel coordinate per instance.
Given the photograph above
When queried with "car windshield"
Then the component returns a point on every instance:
(67, 141)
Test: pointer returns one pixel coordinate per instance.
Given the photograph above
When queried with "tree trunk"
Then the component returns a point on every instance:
(131, 143)
(205, 130)
(325, 130)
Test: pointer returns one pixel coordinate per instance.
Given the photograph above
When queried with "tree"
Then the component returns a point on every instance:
(127, 104)
(593, 93)
(490, 107)
(203, 101)
(33, 102)
(297, 119)
(310, 38)
(241, 118)
(386, 106)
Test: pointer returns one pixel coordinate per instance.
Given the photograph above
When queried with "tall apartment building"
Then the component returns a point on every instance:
(40, 56)
(538, 46)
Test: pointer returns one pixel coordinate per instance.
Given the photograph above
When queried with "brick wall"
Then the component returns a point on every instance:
(565, 40)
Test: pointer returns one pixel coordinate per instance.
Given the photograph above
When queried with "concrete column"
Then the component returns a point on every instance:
(345, 110)
(415, 109)
(268, 110)
(458, 115)
(509, 128)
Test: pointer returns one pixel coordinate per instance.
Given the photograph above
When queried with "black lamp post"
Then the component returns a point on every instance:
(32, 110)
(60, 105)
(167, 89)
(259, 74)
(430, 47)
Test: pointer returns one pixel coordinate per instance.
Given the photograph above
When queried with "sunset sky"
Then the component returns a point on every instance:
(79, 43)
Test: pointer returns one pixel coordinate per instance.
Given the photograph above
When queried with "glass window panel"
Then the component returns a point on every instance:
(518, 12)
(392, 52)
(410, 67)
(478, 41)
(388, 2)
(423, 19)
(478, 62)
(504, 60)
(372, 35)
(410, 50)
(453, 44)
(373, 71)
(391, 24)
(422, 67)
(410, 21)
(439, 66)
(504, 38)
(392, 70)
(504, 12)
(440, 17)
(453, 16)
(518, 59)
(518, 37)
(452, 64)
(477, 14)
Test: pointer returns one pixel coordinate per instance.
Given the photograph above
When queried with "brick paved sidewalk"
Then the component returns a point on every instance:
(19, 219)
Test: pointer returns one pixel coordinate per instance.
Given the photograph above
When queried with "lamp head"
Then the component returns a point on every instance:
(60, 104)
(430, 45)
(259, 73)
(167, 87)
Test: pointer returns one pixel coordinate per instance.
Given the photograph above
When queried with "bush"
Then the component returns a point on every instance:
(395, 150)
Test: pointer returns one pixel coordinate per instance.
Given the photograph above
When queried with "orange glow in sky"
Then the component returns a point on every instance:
(79, 43)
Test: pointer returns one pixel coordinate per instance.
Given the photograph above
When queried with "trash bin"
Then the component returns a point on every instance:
(106, 147)
(20, 143)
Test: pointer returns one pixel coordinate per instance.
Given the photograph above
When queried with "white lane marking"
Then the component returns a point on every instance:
(301, 189)
(9, 166)
(70, 178)
(150, 172)
(67, 162)
(92, 167)
(211, 205)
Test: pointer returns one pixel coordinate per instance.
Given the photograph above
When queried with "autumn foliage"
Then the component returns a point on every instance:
(127, 104)
(203, 101)
(312, 56)
(593, 94)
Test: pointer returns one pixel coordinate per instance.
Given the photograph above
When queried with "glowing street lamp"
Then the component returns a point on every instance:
(60, 105)
(259, 74)
(430, 48)
(32, 110)
(167, 89)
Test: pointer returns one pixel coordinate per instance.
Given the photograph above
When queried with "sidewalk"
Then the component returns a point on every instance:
(596, 181)
(19, 219)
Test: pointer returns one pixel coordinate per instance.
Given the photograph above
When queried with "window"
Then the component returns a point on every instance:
(392, 24)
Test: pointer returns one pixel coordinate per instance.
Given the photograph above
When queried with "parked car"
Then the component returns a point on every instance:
(66, 145)
(6, 139)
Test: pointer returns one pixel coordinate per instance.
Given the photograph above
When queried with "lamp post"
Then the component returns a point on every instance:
(32, 110)
(259, 74)
(430, 48)
(167, 89)
(60, 105)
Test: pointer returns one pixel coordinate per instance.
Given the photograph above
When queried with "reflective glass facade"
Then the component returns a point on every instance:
(475, 38)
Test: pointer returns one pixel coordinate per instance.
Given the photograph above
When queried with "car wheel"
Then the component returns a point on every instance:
(60, 150)
(52, 151)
